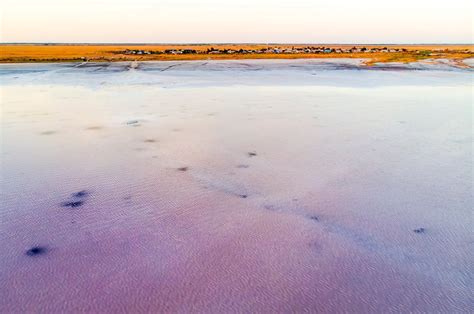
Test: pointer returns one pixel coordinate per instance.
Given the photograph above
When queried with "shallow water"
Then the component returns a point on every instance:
(257, 186)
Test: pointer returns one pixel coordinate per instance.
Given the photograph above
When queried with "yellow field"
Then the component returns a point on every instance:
(63, 53)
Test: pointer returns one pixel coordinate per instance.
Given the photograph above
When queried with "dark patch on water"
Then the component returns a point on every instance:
(252, 154)
(243, 166)
(314, 218)
(243, 195)
(133, 123)
(270, 207)
(315, 245)
(36, 250)
(48, 132)
(94, 128)
(150, 140)
(73, 204)
(183, 169)
(77, 199)
(419, 230)
(80, 194)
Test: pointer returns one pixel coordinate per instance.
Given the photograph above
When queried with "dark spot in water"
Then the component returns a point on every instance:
(176, 130)
(48, 132)
(243, 195)
(419, 230)
(315, 245)
(36, 250)
(128, 197)
(183, 169)
(72, 204)
(243, 166)
(270, 207)
(315, 218)
(94, 128)
(252, 154)
(82, 193)
(150, 140)
(133, 123)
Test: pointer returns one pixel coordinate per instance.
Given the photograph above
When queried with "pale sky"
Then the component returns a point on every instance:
(240, 21)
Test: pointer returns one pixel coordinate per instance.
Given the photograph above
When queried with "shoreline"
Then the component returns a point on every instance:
(360, 63)
(60, 53)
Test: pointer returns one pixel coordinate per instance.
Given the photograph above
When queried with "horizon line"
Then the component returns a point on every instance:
(220, 43)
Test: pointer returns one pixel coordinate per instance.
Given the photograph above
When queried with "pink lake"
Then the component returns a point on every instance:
(225, 186)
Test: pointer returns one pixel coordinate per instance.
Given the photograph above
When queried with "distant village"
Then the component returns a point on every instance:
(269, 50)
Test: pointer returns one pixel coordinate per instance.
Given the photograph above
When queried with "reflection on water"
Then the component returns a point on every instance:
(217, 190)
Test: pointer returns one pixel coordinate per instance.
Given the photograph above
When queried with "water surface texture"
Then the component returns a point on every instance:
(236, 186)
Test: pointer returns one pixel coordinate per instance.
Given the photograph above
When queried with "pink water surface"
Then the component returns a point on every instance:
(219, 191)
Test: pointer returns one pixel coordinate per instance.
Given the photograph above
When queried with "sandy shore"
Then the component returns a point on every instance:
(21, 53)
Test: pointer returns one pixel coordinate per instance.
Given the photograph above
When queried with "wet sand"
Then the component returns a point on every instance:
(264, 186)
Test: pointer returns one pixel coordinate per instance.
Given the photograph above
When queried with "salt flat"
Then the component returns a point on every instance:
(226, 186)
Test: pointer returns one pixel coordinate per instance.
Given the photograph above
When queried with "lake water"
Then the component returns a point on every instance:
(236, 186)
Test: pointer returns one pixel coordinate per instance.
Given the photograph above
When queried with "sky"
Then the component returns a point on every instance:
(237, 21)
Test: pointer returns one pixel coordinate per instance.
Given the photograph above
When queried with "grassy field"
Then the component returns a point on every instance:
(13, 53)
